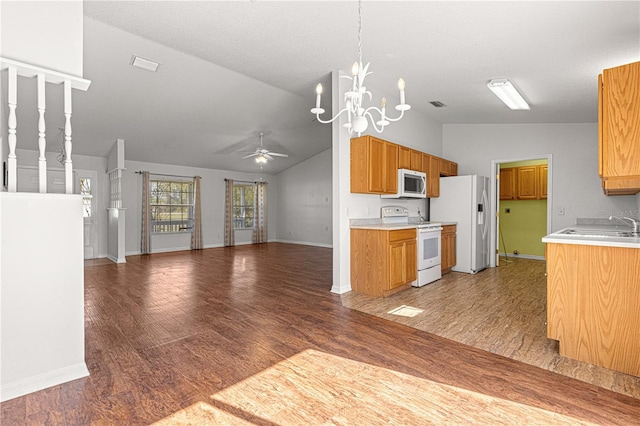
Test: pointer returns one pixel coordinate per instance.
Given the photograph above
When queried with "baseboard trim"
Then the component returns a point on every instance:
(304, 243)
(42, 381)
(244, 243)
(522, 256)
(116, 260)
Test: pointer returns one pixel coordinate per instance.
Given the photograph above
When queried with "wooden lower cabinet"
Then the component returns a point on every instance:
(383, 262)
(448, 248)
(593, 300)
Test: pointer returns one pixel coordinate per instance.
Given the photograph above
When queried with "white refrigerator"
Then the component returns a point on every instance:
(465, 200)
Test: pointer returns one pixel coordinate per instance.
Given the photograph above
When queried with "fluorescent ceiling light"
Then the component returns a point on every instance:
(145, 64)
(507, 93)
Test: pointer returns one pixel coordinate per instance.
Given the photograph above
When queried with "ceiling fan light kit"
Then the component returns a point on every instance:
(508, 94)
(262, 154)
(357, 116)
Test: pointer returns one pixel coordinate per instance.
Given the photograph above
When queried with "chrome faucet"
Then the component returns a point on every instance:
(634, 223)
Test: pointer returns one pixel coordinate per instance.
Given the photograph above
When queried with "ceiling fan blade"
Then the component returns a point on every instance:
(277, 154)
(267, 156)
(251, 155)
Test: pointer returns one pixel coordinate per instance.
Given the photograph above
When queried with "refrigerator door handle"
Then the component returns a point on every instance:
(485, 224)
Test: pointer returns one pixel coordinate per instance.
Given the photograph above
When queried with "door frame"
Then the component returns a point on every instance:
(495, 199)
(93, 175)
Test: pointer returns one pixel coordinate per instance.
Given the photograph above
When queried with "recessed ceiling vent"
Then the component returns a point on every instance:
(145, 64)
(437, 104)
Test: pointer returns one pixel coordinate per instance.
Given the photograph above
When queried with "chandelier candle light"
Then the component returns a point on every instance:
(356, 113)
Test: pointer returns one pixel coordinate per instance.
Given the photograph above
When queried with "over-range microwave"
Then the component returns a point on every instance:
(411, 184)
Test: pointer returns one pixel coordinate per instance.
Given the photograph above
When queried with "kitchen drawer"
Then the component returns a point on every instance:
(402, 234)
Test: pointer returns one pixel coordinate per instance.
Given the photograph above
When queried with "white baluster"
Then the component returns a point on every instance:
(42, 141)
(68, 166)
(12, 123)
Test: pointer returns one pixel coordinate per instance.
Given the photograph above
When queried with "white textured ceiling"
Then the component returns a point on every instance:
(232, 69)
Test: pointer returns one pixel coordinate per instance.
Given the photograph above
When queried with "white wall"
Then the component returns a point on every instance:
(80, 162)
(44, 33)
(212, 206)
(574, 147)
(42, 288)
(304, 208)
(415, 130)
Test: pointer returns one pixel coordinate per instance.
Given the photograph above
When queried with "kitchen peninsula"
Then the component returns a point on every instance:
(593, 294)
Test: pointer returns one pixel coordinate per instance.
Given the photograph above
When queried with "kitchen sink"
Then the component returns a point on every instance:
(597, 233)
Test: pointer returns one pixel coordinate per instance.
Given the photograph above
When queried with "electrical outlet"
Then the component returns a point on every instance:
(561, 211)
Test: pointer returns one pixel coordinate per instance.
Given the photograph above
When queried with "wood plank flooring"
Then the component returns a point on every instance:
(501, 310)
(252, 335)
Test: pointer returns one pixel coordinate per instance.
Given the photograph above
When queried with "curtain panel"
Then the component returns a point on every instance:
(229, 238)
(260, 228)
(196, 234)
(145, 240)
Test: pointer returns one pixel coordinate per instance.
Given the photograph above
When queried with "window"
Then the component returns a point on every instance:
(85, 191)
(243, 205)
(171, 205)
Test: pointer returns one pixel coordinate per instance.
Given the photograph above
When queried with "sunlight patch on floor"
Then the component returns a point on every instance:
(313, 387)
(406, 311)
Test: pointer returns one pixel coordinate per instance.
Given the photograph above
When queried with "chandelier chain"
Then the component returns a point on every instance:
(357, 115)
(359, 32)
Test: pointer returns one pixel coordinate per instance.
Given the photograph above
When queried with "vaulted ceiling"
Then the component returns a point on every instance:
(229, 70)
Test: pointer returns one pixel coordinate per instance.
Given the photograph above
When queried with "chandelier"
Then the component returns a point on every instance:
(357, 115)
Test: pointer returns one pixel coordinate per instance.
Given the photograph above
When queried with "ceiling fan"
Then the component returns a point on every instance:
(262, 154)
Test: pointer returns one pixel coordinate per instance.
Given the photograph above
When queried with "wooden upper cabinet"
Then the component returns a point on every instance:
(508, 183)
(543, 171)
(416, 160)
(374, 166)
(409, 158)
(527, 182)
(404, 157)
(619, 129)
(375, 163)
(433, 177)
(448, 168)
(524, 182)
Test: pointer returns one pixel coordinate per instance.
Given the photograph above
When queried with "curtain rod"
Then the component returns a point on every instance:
(165, 174)
(241, 181)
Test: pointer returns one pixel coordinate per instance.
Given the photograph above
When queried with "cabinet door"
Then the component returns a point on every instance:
(454, 169)
(390, 171)
(621, 121)
(374, 166)
(433, 177)
(411, 260)
(397, 265)
(448, 244)
(527, 182)
(542, 181)
(416, 160)
(377, 165)
(404, 157)
(507, 184)
(444, 169)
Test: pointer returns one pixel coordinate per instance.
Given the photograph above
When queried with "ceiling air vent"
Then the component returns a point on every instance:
(437, 104)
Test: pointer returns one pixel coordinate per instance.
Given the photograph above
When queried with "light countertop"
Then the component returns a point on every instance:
(394, 226)
(559, 237)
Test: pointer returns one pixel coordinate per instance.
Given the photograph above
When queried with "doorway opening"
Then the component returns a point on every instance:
(521, 205)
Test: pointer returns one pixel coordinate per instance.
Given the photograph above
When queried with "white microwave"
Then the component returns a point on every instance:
(411, 184)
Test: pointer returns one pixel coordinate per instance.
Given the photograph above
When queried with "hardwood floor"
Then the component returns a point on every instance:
(501, 310)
(252, 335)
